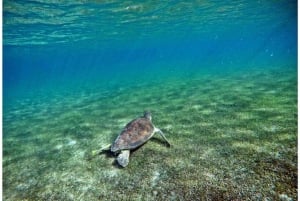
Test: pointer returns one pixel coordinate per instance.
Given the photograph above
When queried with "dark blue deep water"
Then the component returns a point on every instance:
(220, 78)
(54, 44)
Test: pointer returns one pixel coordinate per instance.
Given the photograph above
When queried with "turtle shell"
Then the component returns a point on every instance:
(135, 133)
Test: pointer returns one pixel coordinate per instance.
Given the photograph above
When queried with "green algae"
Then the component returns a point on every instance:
(234, 137)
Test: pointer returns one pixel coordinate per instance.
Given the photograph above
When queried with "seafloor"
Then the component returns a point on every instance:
(233, 135)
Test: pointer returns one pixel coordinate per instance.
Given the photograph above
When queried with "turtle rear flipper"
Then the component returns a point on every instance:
(104, 148)
(163, 135)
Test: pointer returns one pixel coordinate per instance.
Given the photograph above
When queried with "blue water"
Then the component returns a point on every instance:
(219, 76)
(56, 44)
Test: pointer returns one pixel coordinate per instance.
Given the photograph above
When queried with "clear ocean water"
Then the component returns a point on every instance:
(220, 78)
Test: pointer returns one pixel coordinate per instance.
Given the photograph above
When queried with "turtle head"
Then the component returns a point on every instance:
(147, 115)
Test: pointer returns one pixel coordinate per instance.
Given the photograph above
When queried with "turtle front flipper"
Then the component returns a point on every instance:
(163, 135)
(123, 158)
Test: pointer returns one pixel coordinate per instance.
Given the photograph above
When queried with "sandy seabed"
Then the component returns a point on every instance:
(233, 136)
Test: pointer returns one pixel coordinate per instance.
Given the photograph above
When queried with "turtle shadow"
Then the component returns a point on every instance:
(160, 141)
(107, 153)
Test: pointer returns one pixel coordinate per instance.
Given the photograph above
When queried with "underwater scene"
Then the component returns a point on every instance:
(219, 78)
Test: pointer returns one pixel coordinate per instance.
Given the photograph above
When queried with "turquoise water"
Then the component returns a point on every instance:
(220, 79)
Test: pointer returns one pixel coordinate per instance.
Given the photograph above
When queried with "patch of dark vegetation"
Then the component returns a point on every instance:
(284, 174)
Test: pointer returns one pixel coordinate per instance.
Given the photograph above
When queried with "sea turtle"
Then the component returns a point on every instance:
(133, 135)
